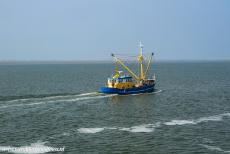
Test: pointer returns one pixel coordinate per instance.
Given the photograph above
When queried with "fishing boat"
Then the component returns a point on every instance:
(131, 83)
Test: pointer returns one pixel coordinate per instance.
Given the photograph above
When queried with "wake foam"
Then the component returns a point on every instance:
(156, 91)
(139, 129)
(52, 97)
(179, 122)
(34, 148)
(80, 97)
(214, 148)
(197, 121)
(90, 130)
(87, 94)
(147, 128)
(60, 98)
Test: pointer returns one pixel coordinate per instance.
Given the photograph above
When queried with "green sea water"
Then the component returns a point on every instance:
(48, 106)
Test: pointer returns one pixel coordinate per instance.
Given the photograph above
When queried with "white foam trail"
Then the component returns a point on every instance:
(85, 98)
(17, 100)
(34, 148)
(225, 114)
(214, 148)
(112, 128)
(18, 105)
(197, 121)
(155, 92)
(145, 128)
(52, 97)
(87, 94)
(179, 122)
(210, 118)
(139, 129)
(64, 96)
(90, 130)
(135, 129)
(58, 101)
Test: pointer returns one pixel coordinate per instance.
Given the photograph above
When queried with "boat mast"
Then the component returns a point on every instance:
(141, 59)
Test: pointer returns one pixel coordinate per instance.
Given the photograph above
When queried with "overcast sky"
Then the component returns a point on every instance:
(92, 29)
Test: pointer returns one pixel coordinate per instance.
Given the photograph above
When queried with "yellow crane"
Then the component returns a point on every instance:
(143, 74)
(126, 67)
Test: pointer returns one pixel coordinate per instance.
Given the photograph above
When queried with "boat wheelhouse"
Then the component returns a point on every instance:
(121, 82)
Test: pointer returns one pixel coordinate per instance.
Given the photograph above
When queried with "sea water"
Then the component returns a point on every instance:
(48, 106)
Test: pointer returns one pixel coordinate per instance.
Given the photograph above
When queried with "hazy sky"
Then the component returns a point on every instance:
(92, 29)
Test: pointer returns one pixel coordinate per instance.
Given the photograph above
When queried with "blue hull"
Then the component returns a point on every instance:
(136, 90)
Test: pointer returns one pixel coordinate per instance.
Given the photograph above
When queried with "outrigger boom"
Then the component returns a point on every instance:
(126, 67)
(140, 59)
(123, 84)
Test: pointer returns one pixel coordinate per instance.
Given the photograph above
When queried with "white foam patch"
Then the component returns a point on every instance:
(210, 118)
(144, 128)
(139, 129)
(197, 121)
(225, 114)
(179, 122)
(34, 148)
(214, 148)
(90, 130)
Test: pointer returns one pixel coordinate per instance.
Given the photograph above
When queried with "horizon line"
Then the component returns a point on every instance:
(2, 62)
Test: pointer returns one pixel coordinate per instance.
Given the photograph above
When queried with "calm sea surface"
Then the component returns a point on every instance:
(43, 107)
